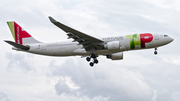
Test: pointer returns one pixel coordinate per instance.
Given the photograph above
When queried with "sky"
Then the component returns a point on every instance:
(140, 76)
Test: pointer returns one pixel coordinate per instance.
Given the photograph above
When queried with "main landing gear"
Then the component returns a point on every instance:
(94, 60)
(155, 52)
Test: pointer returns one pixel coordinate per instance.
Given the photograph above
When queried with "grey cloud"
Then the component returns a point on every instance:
(164, 95)
(62, 87)
(114, 84)
(125, 14)
(3, 97)
(160, 76)
(18, 61)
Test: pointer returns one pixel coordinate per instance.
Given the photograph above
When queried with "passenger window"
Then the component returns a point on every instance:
(146, 37)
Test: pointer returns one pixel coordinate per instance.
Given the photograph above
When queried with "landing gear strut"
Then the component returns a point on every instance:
(94, 60)
(155, 52)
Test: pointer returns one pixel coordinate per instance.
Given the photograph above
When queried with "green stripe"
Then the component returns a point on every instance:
(134, 40)
(11, 27)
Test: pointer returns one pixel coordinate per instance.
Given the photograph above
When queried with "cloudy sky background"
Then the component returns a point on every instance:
(141, 76)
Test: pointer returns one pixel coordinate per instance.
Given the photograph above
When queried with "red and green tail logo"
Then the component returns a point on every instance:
(17, 32)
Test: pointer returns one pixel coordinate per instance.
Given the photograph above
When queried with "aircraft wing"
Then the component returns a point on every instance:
(87, 41)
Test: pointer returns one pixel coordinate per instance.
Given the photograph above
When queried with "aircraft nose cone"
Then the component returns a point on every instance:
(171, 39)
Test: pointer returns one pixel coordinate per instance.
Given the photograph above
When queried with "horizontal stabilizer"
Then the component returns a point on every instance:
(18, 45)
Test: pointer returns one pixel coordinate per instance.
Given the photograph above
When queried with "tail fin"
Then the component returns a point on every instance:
(20, 35)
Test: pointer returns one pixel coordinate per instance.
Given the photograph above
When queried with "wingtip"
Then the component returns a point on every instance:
(52, 19)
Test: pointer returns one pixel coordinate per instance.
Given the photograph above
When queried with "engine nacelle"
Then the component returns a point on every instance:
(115, 56)
(113, 45)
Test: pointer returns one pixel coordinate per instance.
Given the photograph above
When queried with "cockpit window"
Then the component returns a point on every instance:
(165, 35)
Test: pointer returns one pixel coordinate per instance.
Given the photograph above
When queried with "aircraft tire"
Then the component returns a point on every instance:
(88, 59)
(91, 64)
(96, 61)
(155, 52)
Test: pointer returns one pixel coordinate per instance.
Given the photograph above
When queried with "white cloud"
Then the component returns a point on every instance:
(176, 96)
(98, 82)
(18, 62)
(166, 4)
(172, 60)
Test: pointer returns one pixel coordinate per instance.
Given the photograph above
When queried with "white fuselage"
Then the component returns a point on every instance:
(70, 48)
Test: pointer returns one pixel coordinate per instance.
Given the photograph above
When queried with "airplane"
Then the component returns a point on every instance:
(85, 45)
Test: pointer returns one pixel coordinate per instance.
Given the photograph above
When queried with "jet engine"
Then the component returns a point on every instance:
(115, 45)
(115, 56)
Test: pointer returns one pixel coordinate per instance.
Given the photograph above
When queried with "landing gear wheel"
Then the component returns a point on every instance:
(96, 61)
(88, 59)
(155, 52)
(91, 64)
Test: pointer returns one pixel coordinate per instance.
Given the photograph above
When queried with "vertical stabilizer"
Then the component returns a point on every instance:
(20, 35)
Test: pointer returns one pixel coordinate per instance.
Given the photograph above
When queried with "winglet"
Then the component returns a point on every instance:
(52, 19)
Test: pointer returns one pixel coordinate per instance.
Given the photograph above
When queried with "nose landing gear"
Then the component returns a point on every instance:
(155, 52)
(95, 61)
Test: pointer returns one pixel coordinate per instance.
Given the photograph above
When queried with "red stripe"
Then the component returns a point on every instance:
(19, 33)
(145, 38)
